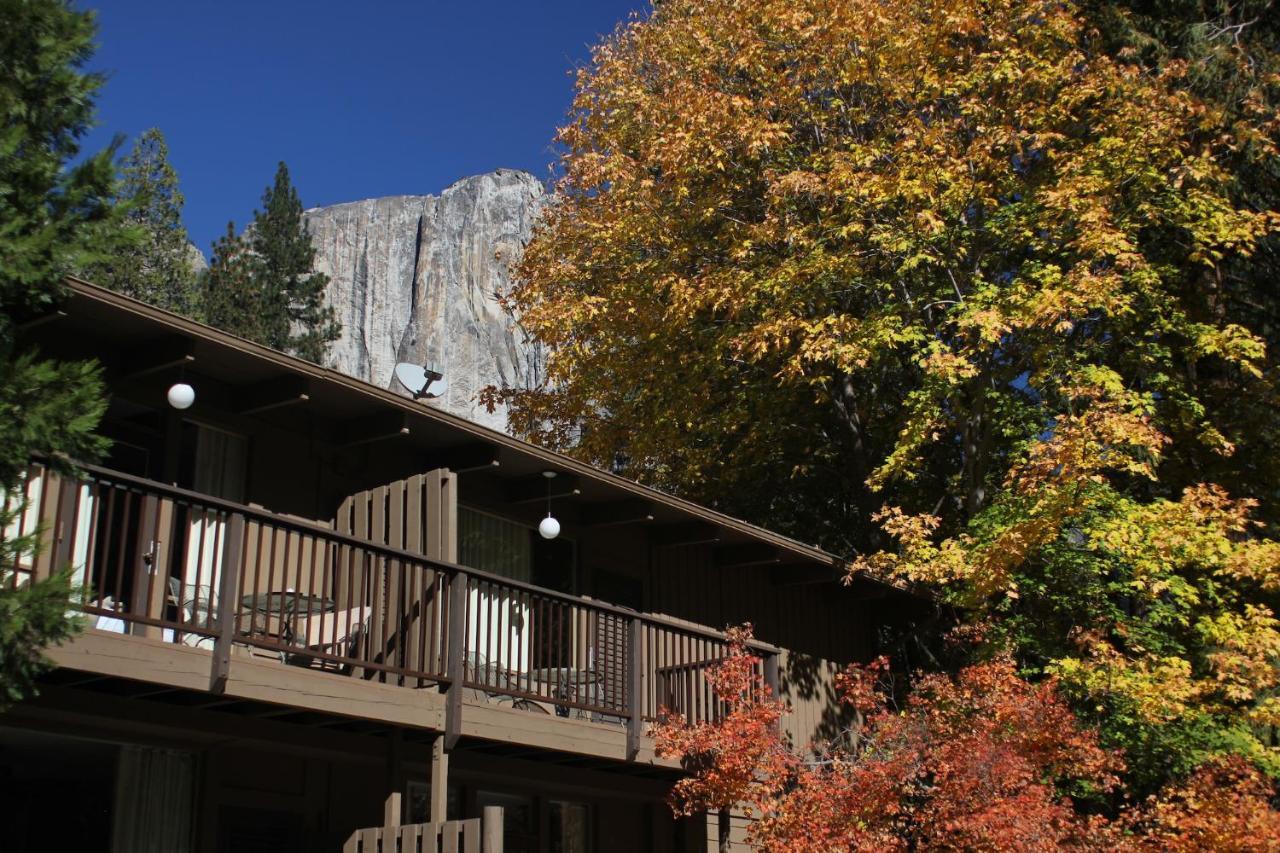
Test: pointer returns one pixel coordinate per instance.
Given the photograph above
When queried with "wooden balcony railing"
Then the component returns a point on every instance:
(183, 567)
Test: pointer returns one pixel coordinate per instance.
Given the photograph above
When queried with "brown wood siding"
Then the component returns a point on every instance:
(824, 625)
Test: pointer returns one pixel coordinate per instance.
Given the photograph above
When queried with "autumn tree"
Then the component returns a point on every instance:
(957, 269)
(55, 216)
(982, 760)
(1231, 56)
(157, 268)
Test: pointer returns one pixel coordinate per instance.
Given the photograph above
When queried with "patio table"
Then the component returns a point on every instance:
(569, 684)
(289, 605)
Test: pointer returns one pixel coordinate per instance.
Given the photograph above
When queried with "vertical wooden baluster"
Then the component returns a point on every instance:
(378, 570)
(108, 539)
(268, 613)
(308, 543)
(289, 580)
(345, 560)
(255, 589)
(428, 599)
(91, 552)
(214, 568)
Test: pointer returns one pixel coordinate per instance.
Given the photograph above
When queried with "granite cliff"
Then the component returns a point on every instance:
(417, 278)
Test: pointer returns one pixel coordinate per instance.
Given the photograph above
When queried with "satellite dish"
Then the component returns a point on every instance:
(422, 382)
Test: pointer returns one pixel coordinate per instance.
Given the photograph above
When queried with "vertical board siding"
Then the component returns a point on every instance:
(823, 619)
(404, 600)
(454, 836)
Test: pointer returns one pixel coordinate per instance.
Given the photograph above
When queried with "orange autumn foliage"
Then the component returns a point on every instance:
(983, 760)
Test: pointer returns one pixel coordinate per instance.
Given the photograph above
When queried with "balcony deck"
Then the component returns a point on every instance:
(199, 594)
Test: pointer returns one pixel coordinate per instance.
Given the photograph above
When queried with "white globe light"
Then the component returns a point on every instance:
(181, 395)
(549, 528)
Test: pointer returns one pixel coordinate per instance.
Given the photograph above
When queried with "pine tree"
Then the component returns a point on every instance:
(56, 215)
(293, 315)
(231, 294)
(262, 285)
(158, 269)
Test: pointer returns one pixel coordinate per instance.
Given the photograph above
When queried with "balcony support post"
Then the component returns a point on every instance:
(456, 666)
(229, 584)
(148, 589)
(635, 704)
(439, 781)
(64, 530)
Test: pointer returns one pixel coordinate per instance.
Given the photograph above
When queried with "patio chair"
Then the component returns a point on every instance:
(198, 612)
(328, 633)
(494, 674)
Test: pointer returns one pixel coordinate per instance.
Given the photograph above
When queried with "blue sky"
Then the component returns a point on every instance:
(361, 99)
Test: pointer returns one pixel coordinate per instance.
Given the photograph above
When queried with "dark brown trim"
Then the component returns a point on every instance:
(628, 511)
(471, 457)
(160, 354)
(750, 554)
(538, 488)
(376, 427)
(272, 394)
(685, 533)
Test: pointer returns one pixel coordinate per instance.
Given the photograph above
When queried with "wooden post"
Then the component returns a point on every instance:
(144, 576)
(395, 774)
(439, 781)
(48, 486)
(391, 811)
(228, 606)
(635, 703)
(491, 829)
(457, 659)
(64, 533)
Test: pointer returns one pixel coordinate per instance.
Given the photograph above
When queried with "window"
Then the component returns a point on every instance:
(214, 461)
(515, 551)
(569, 827)
(495, 545)
(519, 828)
(419, 798)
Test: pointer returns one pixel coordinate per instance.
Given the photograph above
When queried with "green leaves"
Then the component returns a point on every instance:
(31, 619)
(153, 263)
(55, 216)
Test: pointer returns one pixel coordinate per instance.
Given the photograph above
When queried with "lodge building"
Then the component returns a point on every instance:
(305, 594)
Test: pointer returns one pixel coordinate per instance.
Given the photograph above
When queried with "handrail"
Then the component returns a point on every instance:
(314, 528)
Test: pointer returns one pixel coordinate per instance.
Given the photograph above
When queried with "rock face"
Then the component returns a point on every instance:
(196, 259)
(417, 278)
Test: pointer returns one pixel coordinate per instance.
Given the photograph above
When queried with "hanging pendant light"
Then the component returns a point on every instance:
(549, 527)
(181, 395)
